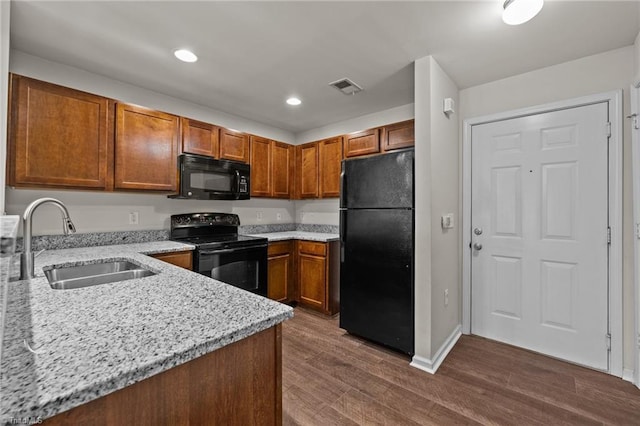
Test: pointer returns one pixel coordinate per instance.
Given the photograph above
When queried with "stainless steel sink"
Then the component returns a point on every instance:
(69, 277)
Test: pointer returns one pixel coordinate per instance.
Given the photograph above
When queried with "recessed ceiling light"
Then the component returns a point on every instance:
(294, 101)
(185, 55)
(518, 12)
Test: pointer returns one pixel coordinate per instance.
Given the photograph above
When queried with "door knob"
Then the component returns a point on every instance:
(477, 231)
(477, 246)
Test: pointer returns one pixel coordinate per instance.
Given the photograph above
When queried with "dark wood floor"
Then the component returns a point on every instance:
(332, 378)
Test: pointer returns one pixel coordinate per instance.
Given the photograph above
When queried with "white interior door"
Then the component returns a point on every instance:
(539, 214)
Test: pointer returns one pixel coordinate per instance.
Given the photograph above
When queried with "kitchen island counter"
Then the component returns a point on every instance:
(88, 342)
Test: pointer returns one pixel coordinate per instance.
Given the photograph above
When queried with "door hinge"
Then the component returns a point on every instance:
(607, 338)
(608, 129)
(609, 235)
(638, 230)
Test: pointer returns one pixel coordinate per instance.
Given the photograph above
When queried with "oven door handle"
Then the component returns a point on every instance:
(225, 251)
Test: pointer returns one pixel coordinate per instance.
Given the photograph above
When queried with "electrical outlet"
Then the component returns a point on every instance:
(259, 216)
(134, 218)
(446, 297)
(302, 215)
(278, 216)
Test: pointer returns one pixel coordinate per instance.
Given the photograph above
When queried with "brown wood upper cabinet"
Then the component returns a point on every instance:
(271, 168)
(308, 169)
(398, 135)
(146, 149)
(330, 154)
(58, 137)
(362, 143)
(200, 138)
(234, 145)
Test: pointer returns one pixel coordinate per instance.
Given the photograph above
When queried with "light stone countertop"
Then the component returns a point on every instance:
(298, 235)
(91, 341)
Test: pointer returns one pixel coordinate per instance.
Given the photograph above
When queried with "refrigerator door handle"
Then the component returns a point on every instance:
(343, 232)
(343, 183)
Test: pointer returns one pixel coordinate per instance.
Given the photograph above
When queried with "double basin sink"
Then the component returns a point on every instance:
(70, 277)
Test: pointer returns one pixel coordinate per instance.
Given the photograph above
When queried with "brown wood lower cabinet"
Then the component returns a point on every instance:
(238, 384)
(319, 275)
(306, 272)
(281, 271)
(184, 259)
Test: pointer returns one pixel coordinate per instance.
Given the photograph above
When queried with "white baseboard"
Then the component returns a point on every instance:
(432, 365)
(627, 374)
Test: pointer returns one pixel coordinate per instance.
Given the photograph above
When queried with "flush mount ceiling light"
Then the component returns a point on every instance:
(185, 55)
(294, 101)
(518, 12)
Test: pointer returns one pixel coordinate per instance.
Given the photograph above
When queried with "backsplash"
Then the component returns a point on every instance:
(56, 242)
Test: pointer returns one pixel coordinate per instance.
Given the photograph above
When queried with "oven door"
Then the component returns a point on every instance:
(244, 267)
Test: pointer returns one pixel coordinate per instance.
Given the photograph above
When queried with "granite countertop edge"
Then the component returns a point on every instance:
(50, 396)
(298, 235)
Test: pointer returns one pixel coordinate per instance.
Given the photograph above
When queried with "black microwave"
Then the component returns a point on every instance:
(205, 178)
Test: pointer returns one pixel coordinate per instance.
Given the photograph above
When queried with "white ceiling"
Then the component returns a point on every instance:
(253, 55)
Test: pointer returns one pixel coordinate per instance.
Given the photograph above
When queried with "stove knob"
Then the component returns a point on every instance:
(186, 220)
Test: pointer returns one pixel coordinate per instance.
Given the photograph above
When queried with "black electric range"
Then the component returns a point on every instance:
(221, 253)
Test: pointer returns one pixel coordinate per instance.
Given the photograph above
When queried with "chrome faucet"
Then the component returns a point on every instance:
(26, 258)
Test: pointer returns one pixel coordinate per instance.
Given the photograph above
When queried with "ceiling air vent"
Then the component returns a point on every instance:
(346, 86)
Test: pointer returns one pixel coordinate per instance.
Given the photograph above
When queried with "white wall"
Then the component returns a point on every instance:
(594, 74)
(422, 236)
(5, 10)
(437, 253)
(101, 211)
(445, 190)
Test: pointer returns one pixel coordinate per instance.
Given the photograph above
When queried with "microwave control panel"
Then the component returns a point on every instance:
(243, 185)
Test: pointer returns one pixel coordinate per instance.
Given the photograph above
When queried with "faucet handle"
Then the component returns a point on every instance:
(38, 253)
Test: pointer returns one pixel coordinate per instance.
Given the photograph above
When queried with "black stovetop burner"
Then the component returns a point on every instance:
(211, 230)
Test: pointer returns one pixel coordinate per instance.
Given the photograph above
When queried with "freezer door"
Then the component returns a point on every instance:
(376, 276)
(380, 181)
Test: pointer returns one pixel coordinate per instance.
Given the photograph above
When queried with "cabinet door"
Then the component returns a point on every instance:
(308, 166)
(59, 137)
(200, 138)
(362, 143)
(146, 149)
(330, 168)
(312, 274)
(398, 135)
(234, 145)
(281, 164)
(280, 277)
(260, 167)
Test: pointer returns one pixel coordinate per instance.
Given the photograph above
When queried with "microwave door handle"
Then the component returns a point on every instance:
(237, 182)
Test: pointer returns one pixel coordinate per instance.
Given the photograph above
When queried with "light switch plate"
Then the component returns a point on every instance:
(447, 221)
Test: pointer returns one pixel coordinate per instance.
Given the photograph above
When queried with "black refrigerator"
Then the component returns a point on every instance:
(376, 248)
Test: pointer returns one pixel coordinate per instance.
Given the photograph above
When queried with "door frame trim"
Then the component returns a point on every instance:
(615, 315)
(635, 174)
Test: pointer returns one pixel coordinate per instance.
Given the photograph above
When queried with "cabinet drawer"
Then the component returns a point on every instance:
(180, 258)
(311, 247)
(279, 248)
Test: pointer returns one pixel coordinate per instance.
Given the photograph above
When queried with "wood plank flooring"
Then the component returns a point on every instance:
(332, 378)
